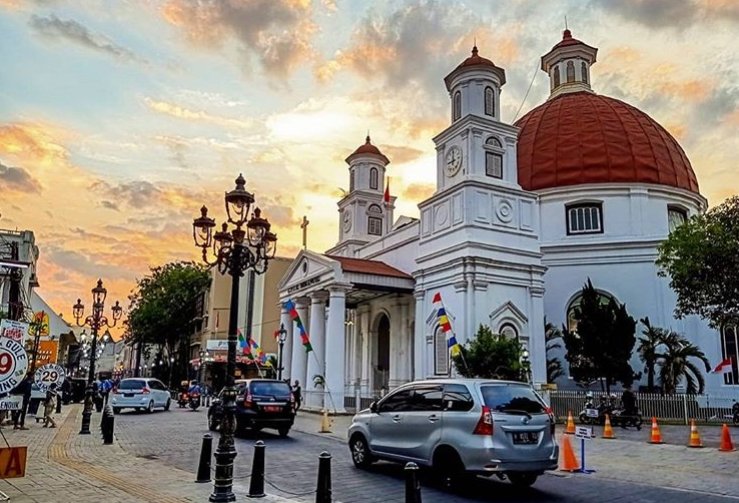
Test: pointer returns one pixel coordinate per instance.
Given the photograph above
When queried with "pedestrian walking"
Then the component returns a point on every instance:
(297, 395)
(23, 389)
(50, 407)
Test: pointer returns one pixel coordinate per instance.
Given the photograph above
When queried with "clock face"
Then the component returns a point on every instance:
(453, 160)
(347, 216)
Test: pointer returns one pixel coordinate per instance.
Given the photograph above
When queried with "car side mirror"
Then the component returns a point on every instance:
(373, 407)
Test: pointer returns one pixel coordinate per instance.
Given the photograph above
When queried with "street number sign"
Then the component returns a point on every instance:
(48, 374)
(13, 364)
(13, 462)
(585, 432)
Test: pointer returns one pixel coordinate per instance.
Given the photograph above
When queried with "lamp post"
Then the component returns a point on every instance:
(234, 252)
(282, 336)
(200, 366)
(526, 364)
(95, 321)
(171, 368)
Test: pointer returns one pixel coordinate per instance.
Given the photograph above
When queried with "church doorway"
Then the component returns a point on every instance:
(382, 354)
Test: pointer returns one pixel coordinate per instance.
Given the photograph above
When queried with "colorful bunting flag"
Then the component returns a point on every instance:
(445, 325)
(290, 306)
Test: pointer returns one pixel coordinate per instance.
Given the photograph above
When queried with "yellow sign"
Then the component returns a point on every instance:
(40, 320)
(13, 462)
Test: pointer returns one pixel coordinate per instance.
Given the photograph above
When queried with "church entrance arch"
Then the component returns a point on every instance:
(381, 363)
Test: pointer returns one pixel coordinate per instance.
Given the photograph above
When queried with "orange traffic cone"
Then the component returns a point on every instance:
(570, 430)
(726, 444)
(567, 460)
(695, 438)
(656, 435)
(607, 429)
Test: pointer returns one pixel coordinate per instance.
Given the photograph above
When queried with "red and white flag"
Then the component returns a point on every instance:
(723, 367)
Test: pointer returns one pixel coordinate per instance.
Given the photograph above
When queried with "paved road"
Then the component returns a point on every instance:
(174, 438)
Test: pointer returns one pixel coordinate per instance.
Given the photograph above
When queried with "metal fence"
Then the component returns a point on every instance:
(678, 407)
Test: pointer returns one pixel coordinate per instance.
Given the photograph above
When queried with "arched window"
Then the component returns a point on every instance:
(675, 217)
(570, 71)
(441, 352)
(730, 349)
(373, 179)
(508, 331)
(573, 309)
(555, 74)
(584, 218)
(351, 181)
(374, 220)
(494, 157)
(584, 71)
(489, 101)
(457, 106)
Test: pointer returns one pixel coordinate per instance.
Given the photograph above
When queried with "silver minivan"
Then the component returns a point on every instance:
(460, 427)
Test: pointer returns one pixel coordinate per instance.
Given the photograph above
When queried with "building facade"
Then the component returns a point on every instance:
(582, 187)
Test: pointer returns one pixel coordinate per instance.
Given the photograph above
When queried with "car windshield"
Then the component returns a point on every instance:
(268, 388)
(512, 398)
(132, 384)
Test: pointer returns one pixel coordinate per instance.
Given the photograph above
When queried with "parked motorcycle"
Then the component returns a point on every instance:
(596, 415)
(735, 412)
(619, 417)
(194, 401)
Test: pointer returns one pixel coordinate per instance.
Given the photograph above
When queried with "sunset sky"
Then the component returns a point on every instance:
(119, 119)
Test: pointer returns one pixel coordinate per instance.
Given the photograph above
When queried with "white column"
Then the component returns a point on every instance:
(537, 343)
(335, 357)
(404, 361)
(396, 344)
(299, 359)
(316, 359)
(420, 338)
(365, 349)
(287, 349)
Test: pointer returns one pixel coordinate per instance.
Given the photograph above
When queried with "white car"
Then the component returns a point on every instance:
(140, 393)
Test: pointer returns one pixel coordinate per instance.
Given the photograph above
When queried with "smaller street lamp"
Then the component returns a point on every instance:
(282, 336)
(171, 368)
(526, 364)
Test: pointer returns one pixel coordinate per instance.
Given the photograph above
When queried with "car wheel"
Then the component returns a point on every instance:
(150, 407)
(166, 405)
(361, 456)
(116, 410)
(522, 479)
(212, 423)
(283, 431)
(449, 468)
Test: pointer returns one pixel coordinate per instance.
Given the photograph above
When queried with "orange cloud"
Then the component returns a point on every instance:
(417, 192)
(180, 112)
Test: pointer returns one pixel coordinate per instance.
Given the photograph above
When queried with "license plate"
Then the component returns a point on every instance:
(128, 395)
(525, 437)
(272, 408)
(591, 412)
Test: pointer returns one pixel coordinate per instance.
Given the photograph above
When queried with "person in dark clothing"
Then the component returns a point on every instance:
(24, 389)
(297, 395)
(628, 399)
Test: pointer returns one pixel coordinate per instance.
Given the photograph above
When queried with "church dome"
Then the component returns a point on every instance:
(581, 137)
(366, 149)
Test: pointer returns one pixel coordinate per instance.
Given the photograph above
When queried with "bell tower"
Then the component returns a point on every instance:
(568, 65)
(365, 213)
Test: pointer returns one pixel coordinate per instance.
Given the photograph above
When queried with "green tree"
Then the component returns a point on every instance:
(648, 348)
(552, 336)
(675, 365)
(162, 307)
(701, 258)
(601, 346)
(490, 355)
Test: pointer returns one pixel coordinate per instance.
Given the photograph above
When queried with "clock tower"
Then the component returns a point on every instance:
(364, 214)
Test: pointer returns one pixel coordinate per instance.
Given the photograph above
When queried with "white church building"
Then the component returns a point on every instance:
(583, 186)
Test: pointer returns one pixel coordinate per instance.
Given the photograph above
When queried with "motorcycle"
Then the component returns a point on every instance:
(182, 399)
(595, 415)
(620, 418)
(735, 413)
(194, 401)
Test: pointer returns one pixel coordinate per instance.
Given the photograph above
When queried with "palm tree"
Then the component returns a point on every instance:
(647, 349)
(554, 365)
(675, 365)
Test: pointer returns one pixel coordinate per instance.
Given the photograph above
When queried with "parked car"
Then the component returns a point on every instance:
(260, 403)
(140, 393)
(460, 428)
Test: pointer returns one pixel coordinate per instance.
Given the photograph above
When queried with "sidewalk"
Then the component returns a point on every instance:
(65, 466)
(629, 458)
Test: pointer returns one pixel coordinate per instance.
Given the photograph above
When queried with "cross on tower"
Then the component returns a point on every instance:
(304, 226)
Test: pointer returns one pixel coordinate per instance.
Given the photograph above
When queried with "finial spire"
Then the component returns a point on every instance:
(566, 27)
(367, 140)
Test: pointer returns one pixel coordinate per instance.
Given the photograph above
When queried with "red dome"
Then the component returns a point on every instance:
(368, 148)
(476, 60)
(579, 138)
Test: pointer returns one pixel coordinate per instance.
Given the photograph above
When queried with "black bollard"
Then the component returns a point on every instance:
(107, 426)
(205, 455)
(256, 482)
(323, 491)
(412, 485)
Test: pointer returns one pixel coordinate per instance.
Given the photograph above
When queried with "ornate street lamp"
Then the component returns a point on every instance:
(95, 321)
(526, 364)
(234, 252)
(282, 336)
